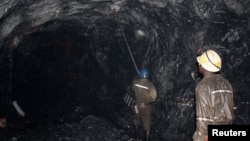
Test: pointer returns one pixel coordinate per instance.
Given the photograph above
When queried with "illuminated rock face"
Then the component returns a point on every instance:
(65, 60)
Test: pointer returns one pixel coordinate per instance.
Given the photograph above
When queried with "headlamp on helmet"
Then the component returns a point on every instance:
(144, 73)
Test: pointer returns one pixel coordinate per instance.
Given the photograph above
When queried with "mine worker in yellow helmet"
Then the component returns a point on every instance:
(213, 96)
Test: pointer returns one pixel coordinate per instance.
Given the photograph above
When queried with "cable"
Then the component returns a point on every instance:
(131, 55)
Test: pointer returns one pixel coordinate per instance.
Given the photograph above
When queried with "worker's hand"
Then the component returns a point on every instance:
(3, 122)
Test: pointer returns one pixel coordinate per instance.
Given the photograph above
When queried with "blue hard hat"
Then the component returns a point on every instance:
(144, 73)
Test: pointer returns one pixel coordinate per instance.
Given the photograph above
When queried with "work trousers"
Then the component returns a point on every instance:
(144, 116)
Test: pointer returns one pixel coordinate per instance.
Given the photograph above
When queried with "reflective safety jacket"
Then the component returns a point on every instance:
(214, 103)
(143, 89)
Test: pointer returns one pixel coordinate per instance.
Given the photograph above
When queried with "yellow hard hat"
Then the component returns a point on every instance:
(210, 61)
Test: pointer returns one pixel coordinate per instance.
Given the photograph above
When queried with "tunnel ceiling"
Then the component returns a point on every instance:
(89, 40)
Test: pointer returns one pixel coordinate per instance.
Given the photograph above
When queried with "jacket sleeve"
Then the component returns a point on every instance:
(153, 93)
(204, 110)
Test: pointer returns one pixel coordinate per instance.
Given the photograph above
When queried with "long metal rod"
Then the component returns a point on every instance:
(131, 55)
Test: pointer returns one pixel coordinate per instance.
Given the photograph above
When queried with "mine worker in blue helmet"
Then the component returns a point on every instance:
(145, 94)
